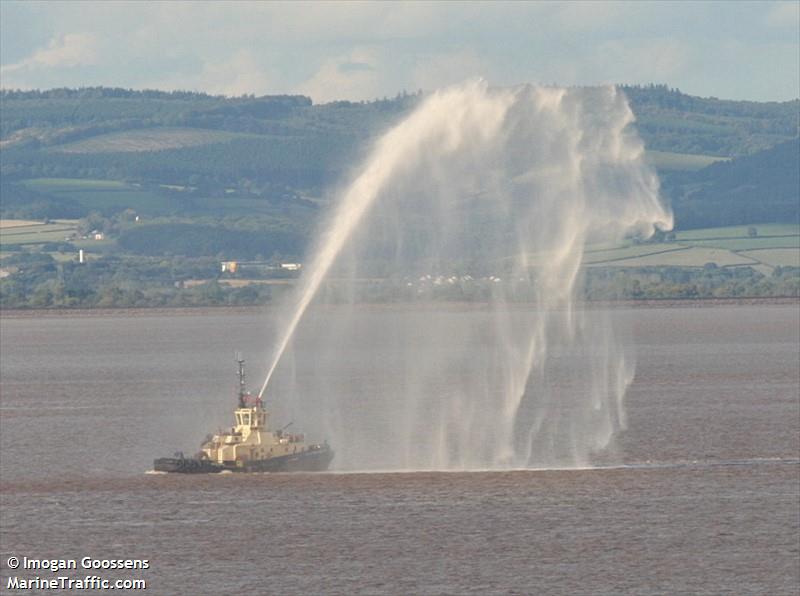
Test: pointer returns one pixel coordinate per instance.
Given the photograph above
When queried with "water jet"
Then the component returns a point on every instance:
(500, 190)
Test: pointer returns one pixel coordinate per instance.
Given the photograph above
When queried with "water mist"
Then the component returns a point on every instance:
(487, 193)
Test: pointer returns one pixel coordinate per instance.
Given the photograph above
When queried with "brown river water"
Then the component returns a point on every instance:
(699, 495)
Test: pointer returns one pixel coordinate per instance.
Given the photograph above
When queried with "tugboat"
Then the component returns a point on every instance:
(250, 446)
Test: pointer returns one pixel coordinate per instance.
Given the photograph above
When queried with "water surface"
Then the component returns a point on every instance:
(699, 495)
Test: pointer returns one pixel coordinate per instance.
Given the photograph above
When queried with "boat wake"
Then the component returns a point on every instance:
(646, 465)
(693, 464)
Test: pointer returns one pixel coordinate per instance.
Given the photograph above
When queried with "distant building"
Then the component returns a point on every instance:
(229, 266)
(291, 266)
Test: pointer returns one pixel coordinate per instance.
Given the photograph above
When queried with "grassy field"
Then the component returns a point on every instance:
(18, 232)
(148, 139)
(775, 257)
(775, 245)
(689, 256)
(108, 196)
(633, 251)
(739, 244)
(104, 195)
(69, 184)
(6, 224)
(105, 201)
(664, 160)
(763, 230)
(37, 233)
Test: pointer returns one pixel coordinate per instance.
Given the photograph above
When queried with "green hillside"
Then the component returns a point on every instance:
(669, 120)
(176, 182)
(766, 246)
(91, 133)
(760, 188)
(147, 139)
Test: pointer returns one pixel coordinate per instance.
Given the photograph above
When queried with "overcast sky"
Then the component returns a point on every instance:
(733, 50)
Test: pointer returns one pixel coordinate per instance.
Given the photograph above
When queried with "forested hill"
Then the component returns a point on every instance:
(759, 188)
(180, 138)
(113, 133)
(668, 120)
(155, 189)
(197, 154)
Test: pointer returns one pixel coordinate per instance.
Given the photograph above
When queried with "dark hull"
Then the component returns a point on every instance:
(316, 460)
(307, 461)
(186, 465)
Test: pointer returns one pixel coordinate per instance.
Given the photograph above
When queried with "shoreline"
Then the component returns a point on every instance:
(21, 313)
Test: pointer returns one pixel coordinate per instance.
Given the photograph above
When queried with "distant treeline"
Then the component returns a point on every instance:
(98, 92)
(39, 281)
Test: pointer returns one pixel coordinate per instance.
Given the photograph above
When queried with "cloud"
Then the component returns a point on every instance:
(368, 72)
(586, 16)
(364, 50)
(72, 49)
(439, 70)
(636, 61)
(240, 74)
(355, 75)
(354, 66)
(783, 14)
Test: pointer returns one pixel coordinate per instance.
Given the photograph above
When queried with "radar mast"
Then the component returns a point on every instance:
(242, 387)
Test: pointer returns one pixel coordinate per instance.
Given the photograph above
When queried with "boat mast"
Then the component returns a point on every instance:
(242, 388)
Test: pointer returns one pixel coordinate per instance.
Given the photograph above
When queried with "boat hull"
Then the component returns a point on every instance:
(315, 460)
(307, 461)
(186, 465)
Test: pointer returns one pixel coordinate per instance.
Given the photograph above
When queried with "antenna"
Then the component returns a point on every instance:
(242, 388)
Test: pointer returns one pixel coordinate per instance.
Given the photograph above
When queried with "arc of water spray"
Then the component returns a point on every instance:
(395, 148)
(562, 164)
(347, 217)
